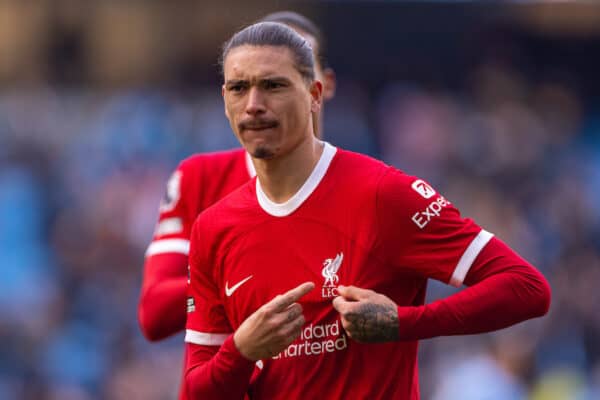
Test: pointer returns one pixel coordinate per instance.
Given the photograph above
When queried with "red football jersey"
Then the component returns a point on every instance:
(355, 221)
(197, 183)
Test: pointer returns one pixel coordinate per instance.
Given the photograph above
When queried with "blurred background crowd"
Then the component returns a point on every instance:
(497, 104)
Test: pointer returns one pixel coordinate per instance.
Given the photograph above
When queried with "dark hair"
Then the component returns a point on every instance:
(298, 21)
(275, 34)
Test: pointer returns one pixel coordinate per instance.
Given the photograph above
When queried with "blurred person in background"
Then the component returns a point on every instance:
(198, 182)
(384, 230)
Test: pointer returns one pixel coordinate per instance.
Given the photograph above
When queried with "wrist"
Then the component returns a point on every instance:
(233, 351)
(240, 348)
(407, 322)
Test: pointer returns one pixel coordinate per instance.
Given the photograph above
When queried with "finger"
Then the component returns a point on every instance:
(293, 328)
(284, 317)
(347, 326)
(283, 301)
(293, 312)
(340, 304)
(354, 293)
(346, 309)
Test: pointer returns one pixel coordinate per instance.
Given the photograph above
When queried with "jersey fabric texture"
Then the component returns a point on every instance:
(356, 221)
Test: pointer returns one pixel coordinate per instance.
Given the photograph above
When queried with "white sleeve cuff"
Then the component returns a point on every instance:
(181, 246)
(205, 339)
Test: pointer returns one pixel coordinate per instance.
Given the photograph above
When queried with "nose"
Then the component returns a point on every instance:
(256, 102)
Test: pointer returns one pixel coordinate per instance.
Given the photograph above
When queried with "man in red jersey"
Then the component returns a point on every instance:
(315, 271)
(197, 183)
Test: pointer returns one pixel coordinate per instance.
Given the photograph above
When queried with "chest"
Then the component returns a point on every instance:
(275, 257)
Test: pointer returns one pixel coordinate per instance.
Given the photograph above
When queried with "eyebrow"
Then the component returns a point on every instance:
(233, 82)
(275, 78)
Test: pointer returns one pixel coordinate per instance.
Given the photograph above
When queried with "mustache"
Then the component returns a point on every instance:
(258, 123)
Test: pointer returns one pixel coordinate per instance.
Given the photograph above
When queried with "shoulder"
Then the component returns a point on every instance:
(219, 226)
(357, 171)
(213, 172)
(215, 160)
(202, 170)
(413, 200)
(358, 161)
(392, 187)
(402, 187)
(232, 211)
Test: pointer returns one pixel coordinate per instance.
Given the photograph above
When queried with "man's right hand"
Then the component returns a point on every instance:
(274, 326)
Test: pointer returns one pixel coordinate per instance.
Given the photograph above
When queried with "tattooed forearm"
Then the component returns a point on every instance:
(373, 323)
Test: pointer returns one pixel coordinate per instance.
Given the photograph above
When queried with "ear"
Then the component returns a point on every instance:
(224, 103)
(316, 93)
(329, 84)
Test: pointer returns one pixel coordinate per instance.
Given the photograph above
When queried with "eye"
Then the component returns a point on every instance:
(236, 87)
(271, 85)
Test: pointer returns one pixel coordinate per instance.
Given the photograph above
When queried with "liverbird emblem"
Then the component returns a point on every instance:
(330, 269)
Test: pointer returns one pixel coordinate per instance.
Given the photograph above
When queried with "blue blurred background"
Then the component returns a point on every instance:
(495, 103)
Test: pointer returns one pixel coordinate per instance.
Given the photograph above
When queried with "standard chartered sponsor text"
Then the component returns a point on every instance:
(315, 340)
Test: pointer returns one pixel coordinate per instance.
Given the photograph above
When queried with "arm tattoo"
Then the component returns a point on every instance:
(374, 323)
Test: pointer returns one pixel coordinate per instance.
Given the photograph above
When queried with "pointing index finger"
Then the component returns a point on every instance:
(280, 303)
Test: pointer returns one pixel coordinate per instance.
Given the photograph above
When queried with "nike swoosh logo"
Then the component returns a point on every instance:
(229, 290)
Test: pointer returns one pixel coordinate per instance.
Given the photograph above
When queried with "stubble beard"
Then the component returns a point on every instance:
(262, 153)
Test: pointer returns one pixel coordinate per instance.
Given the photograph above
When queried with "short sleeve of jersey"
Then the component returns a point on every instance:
(207, 323)
(172, 231)
(422, 233)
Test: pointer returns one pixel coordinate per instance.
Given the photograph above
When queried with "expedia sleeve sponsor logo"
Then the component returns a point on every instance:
(421, 187)
(422, 218)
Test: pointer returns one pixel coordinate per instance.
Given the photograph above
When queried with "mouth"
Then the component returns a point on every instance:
(258, 125)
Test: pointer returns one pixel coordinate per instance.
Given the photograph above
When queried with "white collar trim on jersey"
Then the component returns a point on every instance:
(250, 165)
(288, 207)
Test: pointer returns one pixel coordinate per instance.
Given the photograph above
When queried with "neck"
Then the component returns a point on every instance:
(280, 178)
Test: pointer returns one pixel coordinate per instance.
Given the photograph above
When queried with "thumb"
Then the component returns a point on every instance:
(339, 303)
(353, 293)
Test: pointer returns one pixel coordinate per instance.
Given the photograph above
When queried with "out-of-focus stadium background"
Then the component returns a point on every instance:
(496, 104)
